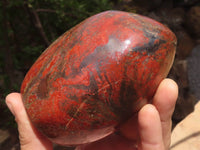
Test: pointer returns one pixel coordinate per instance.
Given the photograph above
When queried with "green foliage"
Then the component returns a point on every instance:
(56, 17)
(20, 40)
(64, 14)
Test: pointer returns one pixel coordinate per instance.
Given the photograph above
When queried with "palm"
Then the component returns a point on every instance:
(136, 132)
(150, 131)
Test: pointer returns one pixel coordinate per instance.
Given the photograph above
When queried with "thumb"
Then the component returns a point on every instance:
(29, 137)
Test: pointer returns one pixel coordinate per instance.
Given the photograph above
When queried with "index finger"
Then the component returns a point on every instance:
(164, 101)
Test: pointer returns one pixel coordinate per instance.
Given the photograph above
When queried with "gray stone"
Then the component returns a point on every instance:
(194, 71)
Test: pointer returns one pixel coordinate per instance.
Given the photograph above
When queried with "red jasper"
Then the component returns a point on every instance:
(96, 75)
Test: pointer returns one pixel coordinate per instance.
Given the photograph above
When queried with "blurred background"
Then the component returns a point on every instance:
(28, 27)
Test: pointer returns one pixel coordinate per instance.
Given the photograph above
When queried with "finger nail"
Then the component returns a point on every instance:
(11, 108)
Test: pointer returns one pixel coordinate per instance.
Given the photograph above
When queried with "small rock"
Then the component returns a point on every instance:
(193, 21)
(179, 73)
(185, 44)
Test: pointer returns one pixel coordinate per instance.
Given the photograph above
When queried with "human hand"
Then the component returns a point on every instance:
(30, 138)
(150, 131)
